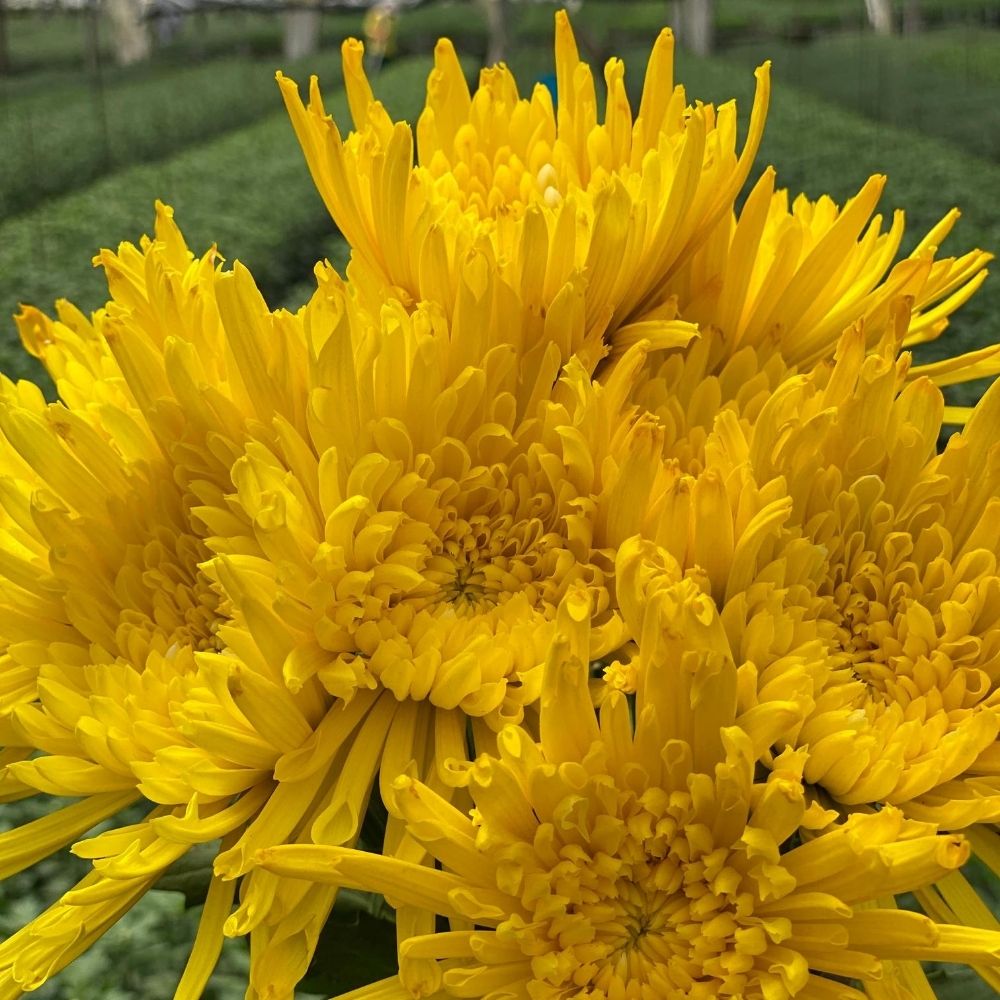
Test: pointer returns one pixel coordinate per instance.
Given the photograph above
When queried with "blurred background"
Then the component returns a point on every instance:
(106, 105)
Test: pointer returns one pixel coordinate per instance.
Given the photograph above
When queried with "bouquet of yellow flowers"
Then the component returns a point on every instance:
(592, 531)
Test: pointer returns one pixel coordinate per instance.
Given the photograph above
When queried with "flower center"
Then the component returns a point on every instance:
(484, 560)
(467, 586)
(494, 182)
(865, 625)
(170, 603)
(650, 903)
(906, 628)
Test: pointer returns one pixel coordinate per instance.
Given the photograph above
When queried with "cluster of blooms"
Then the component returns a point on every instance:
(596, 526)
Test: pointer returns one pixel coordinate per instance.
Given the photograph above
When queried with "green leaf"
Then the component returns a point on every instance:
(356, 947)
(373, 826)
(191, 874)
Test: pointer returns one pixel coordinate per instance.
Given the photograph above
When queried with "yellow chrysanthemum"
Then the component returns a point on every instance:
(548, 195)
(104, 600)
(644, 209)
(856, 572)
(769, 305)
(635, 860)
(324, 562)
(909, 584)
(96, 551)
(789, 281)
(101, 552)
(100, 557)
(831, 506)
(408, 556)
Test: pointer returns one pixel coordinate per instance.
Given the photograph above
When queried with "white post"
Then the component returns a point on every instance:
(694, 23)
(301, 30)
(880, 16)
(129, 29)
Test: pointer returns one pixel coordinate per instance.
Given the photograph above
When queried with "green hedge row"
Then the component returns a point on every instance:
(737, 19)
(53, 41)
(59, 141)
(47, 42)
(49, 57)
(948, 87)
(249, 191)
(972, 55)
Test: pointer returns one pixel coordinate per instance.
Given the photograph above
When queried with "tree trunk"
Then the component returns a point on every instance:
(301, 32)
(4, 46)
(880, 15)
(92, 38)
(913, 22)
(694, 24)
(131, 33)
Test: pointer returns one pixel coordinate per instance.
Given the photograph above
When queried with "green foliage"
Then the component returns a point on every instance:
(60, 42)
(51, 40)
(80, 131)
(357, 945)
(972, 56)
(249, 191)
(948, 88)
(141, 957)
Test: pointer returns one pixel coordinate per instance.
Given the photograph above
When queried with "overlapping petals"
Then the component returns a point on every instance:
(548, 195)
(612, 859)
(598, 529)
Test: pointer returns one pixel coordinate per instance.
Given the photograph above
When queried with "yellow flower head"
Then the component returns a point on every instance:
(855, 573)
(772, 292)
(629, 860)
(790, 280)
(101, 556)
(322, 562)
(549, 195)
(105, 602)
(407, 557)
(909, 583)
(158, 392)
(643, 209)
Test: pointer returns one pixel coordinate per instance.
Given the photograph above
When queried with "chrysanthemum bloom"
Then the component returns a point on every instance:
(834, 496)
(910, 583)
(156, 402)
(832, 531)
(768, 306)
(643, 208)
(100, 557)
(393, 541)
(549, 195)
(787, 282)
(615, 859)
(411, 555)
(104, 602)
(394, 574)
